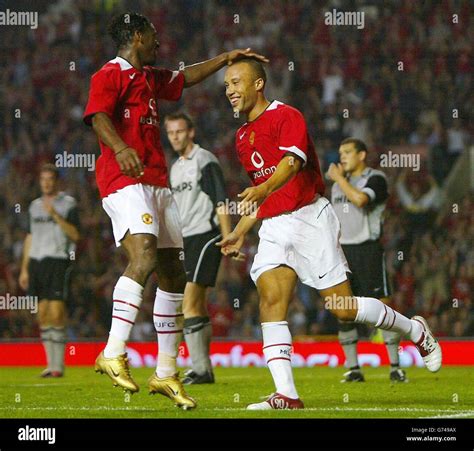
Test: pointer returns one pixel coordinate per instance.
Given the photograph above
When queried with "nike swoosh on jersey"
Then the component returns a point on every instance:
(132, 76)
(322, 276)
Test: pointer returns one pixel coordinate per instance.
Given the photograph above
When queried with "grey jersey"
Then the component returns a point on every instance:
(198, 186)
(47, 237)
(361, 224)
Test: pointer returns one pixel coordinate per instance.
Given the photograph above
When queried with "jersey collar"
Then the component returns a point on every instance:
(272, 106)
(364, 173)
(191, 154)
(122, 62)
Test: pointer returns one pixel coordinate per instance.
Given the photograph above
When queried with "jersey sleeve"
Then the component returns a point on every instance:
(103, 94)
(169, 84)
(376, 188)
(293, 134)
(212, 182)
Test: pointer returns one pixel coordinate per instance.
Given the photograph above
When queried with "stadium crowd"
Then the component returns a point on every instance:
(346, 81)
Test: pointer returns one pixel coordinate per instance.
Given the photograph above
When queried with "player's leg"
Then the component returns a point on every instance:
(323, 266)
(198, 334)
(127, 295)
(275, 288)
(202, 260)
(373, 312)
(36, 288)
(168, 320)
(168, 308)
(348, 333)
(127, 298)
(58, 289)
(134, 216)
(45, 334)
(348, 336)
(392, 342)
(57, 317)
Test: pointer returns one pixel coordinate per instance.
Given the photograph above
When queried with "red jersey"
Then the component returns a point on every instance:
(262, 143)
(129, 97)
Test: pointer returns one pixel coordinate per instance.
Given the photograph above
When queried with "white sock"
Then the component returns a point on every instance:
(168, 319)
(47, 343)
(277, 351)
(376, 313)
(127, 298)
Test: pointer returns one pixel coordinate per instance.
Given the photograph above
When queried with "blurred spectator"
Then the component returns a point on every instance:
(419, 205)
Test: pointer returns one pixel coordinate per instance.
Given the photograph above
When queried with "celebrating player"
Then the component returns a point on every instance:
(133, 183)
(358, 197)
(299, 235)
(53, 230)
(198, 187)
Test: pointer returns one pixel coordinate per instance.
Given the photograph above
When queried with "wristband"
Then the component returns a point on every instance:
(121, 150)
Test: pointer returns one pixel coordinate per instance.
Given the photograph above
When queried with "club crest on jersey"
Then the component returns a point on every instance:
(257, 160)
(147, 218)
(252, 138)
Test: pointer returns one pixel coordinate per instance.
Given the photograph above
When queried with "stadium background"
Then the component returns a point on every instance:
(429, 248)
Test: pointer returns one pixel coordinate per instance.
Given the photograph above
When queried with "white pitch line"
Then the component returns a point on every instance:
(38, 385)
(440, 412)
(363, 409)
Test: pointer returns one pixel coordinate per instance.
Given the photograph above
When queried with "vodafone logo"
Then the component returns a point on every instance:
(257, 160)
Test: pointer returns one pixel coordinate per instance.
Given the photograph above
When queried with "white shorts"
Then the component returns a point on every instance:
(145, 209)
(306, 240)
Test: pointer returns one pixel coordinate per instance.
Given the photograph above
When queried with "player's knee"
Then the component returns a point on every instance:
(57, 321)
(268, 303)
(144, 261)
(56, 317)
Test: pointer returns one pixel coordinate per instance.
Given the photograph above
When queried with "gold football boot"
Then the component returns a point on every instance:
(172, 388)
(117, 369)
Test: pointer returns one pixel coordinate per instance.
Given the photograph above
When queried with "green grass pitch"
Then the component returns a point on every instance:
(84, 394)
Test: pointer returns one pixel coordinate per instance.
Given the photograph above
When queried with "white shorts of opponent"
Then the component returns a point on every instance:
(306, 240)
(145, 209)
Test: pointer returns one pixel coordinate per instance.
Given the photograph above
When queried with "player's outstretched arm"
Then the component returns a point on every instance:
(198, 72)
(230, 245)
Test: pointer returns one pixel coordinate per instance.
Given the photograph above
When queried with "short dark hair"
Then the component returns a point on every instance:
(49, 167)
(358, 144)
(180, 115)
(256, 66)
(122, 27)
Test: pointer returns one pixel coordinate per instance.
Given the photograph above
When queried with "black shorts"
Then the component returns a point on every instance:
(202, 258)
(369, 275)
(50, 278)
